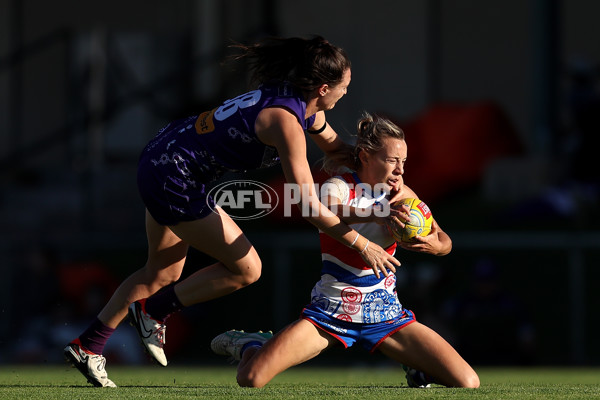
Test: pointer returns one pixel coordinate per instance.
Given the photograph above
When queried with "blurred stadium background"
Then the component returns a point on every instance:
(499, 101)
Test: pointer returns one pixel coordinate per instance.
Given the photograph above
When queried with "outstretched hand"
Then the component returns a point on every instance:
(379, 260)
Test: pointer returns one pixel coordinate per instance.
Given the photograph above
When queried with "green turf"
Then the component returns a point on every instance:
(58, 382)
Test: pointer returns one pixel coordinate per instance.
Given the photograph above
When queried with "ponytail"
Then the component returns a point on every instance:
(371, 130)
(305, 63)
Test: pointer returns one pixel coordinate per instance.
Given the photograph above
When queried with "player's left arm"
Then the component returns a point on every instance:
(437, 242)
(328, 140)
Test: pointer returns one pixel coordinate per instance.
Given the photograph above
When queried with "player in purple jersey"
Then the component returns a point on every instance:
(299, 79)
(349, 304)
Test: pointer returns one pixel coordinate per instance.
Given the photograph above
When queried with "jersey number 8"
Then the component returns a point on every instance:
(229, 107)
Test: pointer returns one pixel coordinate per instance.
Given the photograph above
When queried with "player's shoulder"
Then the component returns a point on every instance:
(336, 186)
(337, 179)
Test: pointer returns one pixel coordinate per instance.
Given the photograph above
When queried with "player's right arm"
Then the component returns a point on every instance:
(279, 128)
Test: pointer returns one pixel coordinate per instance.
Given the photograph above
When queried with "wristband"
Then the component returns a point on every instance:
(367, 245)
(355, 239)
(321, 129)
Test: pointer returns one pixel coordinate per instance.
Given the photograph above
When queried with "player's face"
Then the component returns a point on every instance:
(386, 165)
(334, 93)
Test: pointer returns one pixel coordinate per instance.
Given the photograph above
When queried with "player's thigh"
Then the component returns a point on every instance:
(422, 348)
(296, 343)
(218, 236)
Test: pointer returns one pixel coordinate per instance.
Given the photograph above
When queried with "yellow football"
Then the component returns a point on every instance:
(420, 220)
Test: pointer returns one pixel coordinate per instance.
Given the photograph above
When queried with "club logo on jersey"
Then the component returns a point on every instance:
(245, 199)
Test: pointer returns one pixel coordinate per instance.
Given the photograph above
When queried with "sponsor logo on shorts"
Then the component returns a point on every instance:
(335, 327)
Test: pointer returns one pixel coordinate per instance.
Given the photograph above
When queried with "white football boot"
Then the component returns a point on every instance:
(150, 331)
(89, 364)
(231, 342)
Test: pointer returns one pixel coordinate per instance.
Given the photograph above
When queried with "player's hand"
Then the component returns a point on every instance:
(430, 244)
(398, 218)
(379, 260)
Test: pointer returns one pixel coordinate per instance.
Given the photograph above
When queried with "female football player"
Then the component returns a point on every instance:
(350, 304)
(299, 80)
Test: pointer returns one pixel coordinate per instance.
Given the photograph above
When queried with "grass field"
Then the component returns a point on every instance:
(63, 382)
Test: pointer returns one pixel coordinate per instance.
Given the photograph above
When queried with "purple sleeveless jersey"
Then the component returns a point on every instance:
(176, 165)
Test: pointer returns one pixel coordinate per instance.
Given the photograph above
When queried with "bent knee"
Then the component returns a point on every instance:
(473, 382)
(250, 272)
(470, 381)
(245, 380)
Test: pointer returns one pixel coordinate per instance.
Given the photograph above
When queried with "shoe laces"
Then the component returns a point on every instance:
(101, 365)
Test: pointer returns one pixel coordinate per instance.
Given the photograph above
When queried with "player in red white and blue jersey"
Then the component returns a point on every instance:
(352, 303)
(299, 79)
(349, 290)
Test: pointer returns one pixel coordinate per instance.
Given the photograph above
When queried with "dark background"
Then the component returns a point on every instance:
(499, 101)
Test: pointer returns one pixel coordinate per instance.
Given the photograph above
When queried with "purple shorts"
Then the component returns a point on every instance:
(370, 336)
(172, 179)
(171, 200)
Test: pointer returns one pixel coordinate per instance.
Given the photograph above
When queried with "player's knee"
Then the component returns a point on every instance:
(470, 380)
(250, 380)
(251, 272)
(243, 381)
(473, 382)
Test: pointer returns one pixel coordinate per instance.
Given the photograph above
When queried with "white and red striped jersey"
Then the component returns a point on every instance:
(349, 289)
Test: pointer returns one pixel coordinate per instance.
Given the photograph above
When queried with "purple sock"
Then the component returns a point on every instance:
(95, 336)
(163, 303)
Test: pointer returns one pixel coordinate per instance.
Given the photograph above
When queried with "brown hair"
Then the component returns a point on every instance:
(305, 63)
(371, 130)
